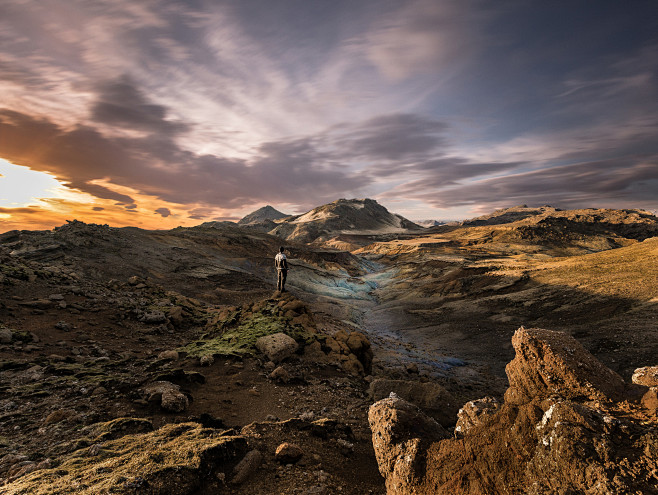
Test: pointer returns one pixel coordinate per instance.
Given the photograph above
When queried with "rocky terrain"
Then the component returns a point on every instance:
(140, 361)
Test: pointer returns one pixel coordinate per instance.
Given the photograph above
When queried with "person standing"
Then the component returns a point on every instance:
(281, 263)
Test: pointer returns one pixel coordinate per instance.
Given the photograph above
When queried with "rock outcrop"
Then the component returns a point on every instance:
(568, 425)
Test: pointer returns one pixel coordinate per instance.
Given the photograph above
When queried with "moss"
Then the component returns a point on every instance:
(174, 460)
(238, 335)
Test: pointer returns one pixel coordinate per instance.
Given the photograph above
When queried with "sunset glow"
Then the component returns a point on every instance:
(162, 113)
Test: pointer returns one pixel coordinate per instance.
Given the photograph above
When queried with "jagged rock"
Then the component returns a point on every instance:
(560, 432)
(401, 433)
(549, 362)
(167, 394)
(432, 398)
(277, 347)
(647, 376)
(247, 466)
(473, 413)
(579, 446)
(280, 374)
(288, 453)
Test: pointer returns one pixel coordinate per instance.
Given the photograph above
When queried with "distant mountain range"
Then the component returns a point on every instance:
(321, 224)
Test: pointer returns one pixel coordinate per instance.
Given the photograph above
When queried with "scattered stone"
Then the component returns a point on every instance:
(62, 325)
(5, 335)
(280, 374)
(174, 401)
(247, 466)
(288, 453)
(307, 416)
(277, 347)
(176, 315)
(167, 394)
(168, 355)
(37, 304)
(647, 376)
(345, 447)
(56, 297)
(412, 368)
(207, 360)
(153, 317)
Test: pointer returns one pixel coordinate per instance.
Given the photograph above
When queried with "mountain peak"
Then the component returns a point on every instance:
(262, 215)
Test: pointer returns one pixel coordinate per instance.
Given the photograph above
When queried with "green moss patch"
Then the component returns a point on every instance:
(236, 334)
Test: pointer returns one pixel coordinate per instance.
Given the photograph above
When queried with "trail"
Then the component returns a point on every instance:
(355, 301)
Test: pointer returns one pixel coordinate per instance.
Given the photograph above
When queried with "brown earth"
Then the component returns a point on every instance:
(90, 315)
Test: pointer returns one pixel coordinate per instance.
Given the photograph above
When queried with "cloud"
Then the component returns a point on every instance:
(157, 166)
(422, 37)
(163, 212)
(121, 103)
(391, 137)
(625, 182)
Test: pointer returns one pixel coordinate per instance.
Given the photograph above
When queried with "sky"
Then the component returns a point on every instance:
(159, 113)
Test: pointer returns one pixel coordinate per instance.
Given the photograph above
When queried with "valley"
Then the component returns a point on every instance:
(94, 317)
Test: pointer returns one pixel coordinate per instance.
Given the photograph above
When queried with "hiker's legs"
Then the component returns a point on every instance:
(283, 275)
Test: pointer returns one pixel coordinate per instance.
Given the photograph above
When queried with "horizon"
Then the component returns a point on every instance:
(163, 114)
(236, 220)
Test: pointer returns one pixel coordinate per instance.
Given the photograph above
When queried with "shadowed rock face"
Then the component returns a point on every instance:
(568, 425)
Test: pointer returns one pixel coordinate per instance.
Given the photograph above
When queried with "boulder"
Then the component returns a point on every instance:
(431, 397)
(247, 466)
(549, 362)
(280, 374)
(474, 413)
(401, 434)
(277, 347)
(568, 425)
(167, 394)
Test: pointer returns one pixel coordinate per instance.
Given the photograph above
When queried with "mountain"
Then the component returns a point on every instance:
(429, 223)
(344, 216)
(262, 215)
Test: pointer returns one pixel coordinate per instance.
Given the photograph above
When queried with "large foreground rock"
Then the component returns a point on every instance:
(177, 459)
(432, 398)
(568, 425)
